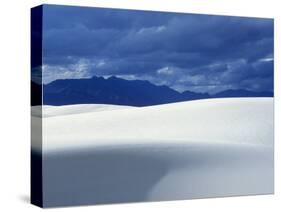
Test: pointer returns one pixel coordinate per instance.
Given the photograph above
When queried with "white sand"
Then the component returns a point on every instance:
(233, 120)
(204, 148)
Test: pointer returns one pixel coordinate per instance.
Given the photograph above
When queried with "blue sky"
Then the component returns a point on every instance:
(200, 53)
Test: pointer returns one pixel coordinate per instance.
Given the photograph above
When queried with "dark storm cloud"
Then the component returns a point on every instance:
(184, 51)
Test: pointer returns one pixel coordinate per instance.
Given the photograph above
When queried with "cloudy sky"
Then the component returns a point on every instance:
(184, 51)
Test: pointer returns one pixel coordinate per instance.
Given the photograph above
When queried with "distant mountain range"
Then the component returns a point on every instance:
(117, 91)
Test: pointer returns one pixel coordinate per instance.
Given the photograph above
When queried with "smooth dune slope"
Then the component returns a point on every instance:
(233, 120)
(50, 111)
(196, 149)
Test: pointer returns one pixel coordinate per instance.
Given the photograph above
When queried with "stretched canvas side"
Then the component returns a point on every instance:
(36, 106)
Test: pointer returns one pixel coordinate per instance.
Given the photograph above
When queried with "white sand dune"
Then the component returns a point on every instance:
(204, 148)
(51, 111)
(244, 120)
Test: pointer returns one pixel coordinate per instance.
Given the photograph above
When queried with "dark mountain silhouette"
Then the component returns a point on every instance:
(108, 91)
(189, 95)
(98, 90)
(242, 93)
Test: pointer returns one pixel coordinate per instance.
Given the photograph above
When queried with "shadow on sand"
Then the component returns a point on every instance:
(99, 176)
